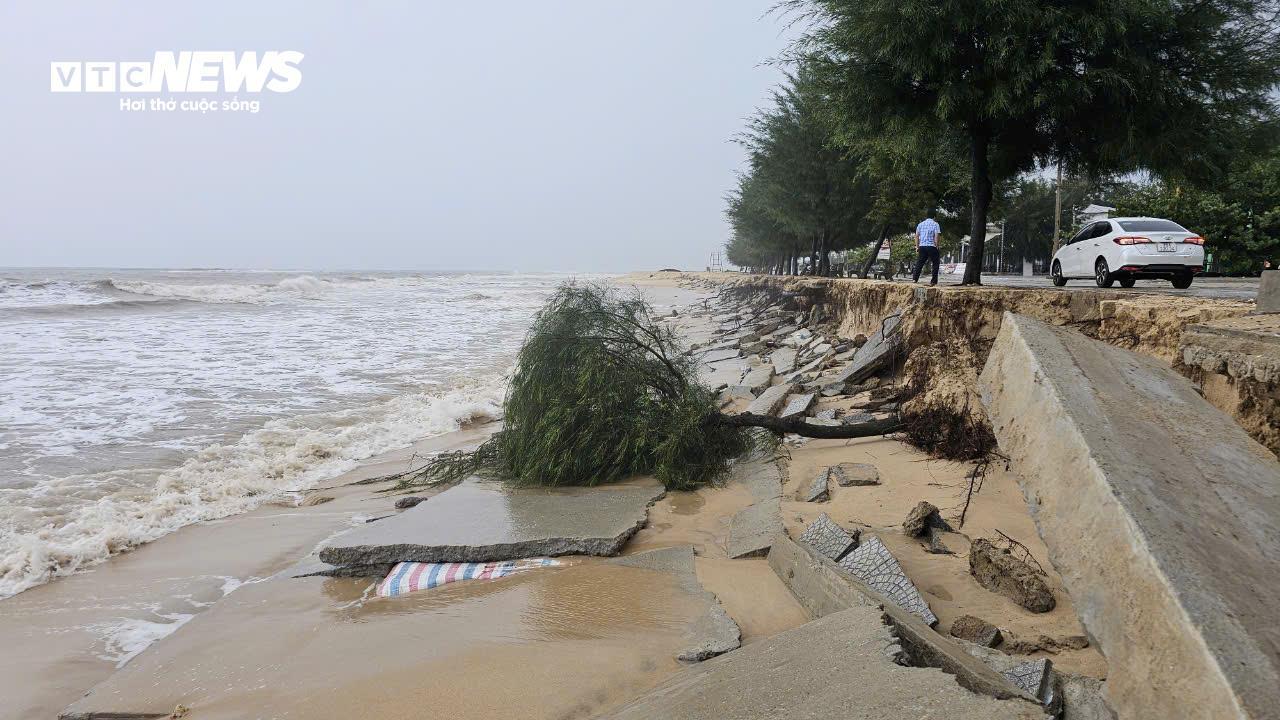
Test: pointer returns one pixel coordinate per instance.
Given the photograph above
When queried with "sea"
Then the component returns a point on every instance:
(136, 402)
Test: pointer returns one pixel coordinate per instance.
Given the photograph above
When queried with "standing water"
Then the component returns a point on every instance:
(134, 402)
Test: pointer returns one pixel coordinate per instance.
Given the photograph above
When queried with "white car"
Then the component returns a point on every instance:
(1128, 249)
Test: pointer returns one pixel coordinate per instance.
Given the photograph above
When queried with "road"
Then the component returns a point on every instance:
(1213, 287)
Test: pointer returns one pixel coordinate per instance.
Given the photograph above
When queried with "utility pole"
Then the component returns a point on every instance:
(1057, 210)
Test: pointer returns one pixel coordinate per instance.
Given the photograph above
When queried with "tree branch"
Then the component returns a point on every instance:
(798, 426)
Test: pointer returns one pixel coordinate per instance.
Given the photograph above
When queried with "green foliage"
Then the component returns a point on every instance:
(600, 392)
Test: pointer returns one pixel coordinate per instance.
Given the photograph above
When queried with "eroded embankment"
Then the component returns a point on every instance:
(947, 333)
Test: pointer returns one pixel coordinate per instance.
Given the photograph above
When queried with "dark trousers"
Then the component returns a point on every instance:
(926, 253)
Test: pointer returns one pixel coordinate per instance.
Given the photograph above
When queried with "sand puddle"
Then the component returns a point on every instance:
(555, 642)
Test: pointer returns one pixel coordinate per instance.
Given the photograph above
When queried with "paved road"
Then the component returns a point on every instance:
(1215, 287)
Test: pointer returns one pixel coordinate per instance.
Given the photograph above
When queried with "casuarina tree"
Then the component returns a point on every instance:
(603, 391)
(1104, 85)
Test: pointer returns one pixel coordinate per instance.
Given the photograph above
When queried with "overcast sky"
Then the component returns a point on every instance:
(517, 134)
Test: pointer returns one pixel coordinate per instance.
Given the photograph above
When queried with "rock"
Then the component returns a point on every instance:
(1000, 572)
(936, 544)
(833, 390)
(828, 538)
(855, 474)
(976, 630)
(797, 405)
(922, 517)
(819, 489)
(1082, 697)
(405, 503)
(734, 393)
(873, 564)
(768, 402)
(859, 340)
(481, 521)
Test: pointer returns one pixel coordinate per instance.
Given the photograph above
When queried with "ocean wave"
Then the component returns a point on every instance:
(281, 457)
(108, 306)
(301, 286)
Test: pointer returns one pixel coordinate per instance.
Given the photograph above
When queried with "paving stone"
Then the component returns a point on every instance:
(825, 415)
(783, 360)
(976, 630)
(855, 474)
(798, 404)
(879, 349)
(873, 564)
(819, 489)
(757, 378)
(751, 531)
(828, 538)
(858, 417)
(1034, 677)
(833, 390)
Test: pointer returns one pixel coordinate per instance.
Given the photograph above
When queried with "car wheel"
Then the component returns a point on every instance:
(1127, 282)
(1182, 282)
(1056, 273)
(1102, 274)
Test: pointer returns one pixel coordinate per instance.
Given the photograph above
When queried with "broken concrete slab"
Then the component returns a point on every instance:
(735, 393)
(768, 402)
(833, 390)
(832, 667)
(818, 490)
(855, 474)
(1160, 513)
(1035, 677)
(997, 570)
(828, 538)
(752, 529)
(757, 378)
(713, 632)
(873, 564)
(823, 588)
(797, 404)
(479, 521)
(715, 356)
(783, 360)
(881, 348)
(975, 630)
(924, 516)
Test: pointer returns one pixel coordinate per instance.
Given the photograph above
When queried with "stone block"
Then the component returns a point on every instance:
(976, 630)
(768, 402)
(873, 564)
(797, 404)
(853, 474)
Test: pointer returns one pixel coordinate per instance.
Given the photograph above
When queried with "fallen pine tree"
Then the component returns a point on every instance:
(603, 391)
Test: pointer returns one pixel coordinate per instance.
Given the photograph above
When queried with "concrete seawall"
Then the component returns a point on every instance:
(1159, 511)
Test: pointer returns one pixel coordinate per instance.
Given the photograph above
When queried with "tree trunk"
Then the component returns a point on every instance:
(824, 256)
(980, 192)
(798, 426)
(866, 267)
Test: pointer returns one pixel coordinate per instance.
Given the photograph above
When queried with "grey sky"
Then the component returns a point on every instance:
(526, 135)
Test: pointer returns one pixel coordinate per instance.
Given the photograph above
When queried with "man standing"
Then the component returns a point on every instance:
(927, 234)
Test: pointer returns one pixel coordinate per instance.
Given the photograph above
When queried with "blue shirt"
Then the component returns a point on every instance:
(928, 230)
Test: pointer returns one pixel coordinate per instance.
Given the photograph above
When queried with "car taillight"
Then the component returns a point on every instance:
(1193, 240)
(1131, 240)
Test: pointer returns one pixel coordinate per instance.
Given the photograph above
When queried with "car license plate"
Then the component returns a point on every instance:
(1167, 247)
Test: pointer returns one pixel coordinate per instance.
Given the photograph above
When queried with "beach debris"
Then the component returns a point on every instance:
(873, 564)
(768, 402)
(818, 489)
(855, 474)
(757, 378)
(922, 517)
(407, 577)
(936, 544)
(712, 632)
(833, 390)
(405, 503)
(797, 404)
(829, 539)
(976, 630)
(997, 570)
(1015, 645)
(783, 360)
(1035, 677)
(481, 521)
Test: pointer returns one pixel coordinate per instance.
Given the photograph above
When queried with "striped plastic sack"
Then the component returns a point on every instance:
(406, 577)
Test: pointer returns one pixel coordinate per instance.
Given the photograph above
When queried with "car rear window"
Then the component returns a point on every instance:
(1150, 226)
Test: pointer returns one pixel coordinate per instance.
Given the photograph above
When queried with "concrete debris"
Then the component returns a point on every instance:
(828, 538)
(873, 564)
(858, 417)
(783, 360)
(936, 544)
(1174, 564)
(715, 356)
(1035, 677)
(405, 503)
(819, 489)
(768, 402)
(479, 521)
(997, 570)
(825, 415)
(1015, 645)
(881, 348)
(855, 474)
(835, 666)
(713, 632)
(833, 390)
(1082, 697)
(921, 518)
(758, 378)
(797, 405)
(734, 393)
(751, 530)
(753, 348)
(976, 630)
